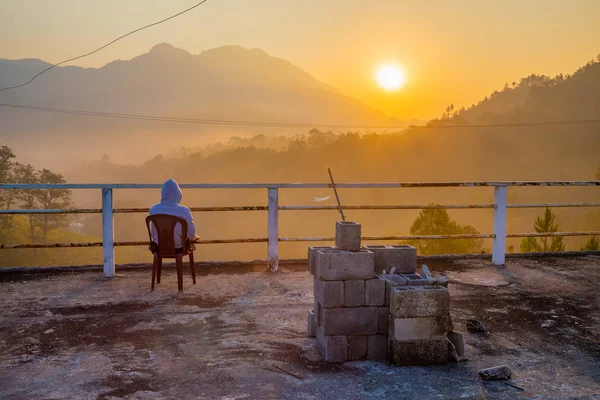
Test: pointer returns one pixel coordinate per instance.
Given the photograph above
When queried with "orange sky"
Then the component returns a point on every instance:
(453, 52)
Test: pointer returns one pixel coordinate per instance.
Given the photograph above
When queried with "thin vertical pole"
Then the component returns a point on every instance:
(108, 233)
(499, 246)
(273, 227)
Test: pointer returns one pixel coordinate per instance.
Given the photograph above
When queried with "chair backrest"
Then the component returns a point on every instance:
(165, 229)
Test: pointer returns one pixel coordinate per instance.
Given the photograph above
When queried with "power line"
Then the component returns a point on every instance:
(106, 45)
(285, 124)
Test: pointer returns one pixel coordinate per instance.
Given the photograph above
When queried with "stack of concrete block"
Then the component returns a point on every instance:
(419, 325)
(350, 319)
(363, 312)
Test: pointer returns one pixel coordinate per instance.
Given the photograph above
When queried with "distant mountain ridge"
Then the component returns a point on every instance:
(228, 82)
(539, 98)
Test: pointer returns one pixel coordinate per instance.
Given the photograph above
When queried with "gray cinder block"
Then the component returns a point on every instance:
(347, 235)
(419, 352)
(419, 328)
(354, 293)
(332, 348)
(419, 301)
(357, 347)
(458, 350)
(383, 320)
(312, 257)
(330, 294)
(405, 257)
(401, 257)
(341, 265)
(312, 332)
(377, 347)
(391, 282)
(349, 321)
(375, 292)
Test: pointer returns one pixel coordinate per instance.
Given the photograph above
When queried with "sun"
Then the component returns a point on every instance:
(390, 77)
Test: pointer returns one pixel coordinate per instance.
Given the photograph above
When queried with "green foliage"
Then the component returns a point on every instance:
(592, 244)
(20, 233)
(436, 221)
(544, 224)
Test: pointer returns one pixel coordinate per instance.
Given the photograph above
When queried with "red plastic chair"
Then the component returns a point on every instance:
(165, 248)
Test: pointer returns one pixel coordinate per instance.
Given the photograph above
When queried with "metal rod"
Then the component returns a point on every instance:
(336, 195)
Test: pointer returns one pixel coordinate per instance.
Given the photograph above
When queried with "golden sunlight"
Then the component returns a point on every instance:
(390, 77)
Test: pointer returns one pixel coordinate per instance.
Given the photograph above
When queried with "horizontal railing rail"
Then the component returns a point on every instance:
(108, 243)
(354, 185)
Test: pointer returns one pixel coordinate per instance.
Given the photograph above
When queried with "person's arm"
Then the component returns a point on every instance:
(191, 227)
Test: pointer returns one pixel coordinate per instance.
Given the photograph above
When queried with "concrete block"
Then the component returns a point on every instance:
(415, 280)
(330, 294)
(419, 328)
(349, 321)
(383, 320)
(377, 347)
(401, 257)
(375, 292)
(340, 265)
(312, 331)
(347, 235)
(391, 282)
(332, 348)
(419, 301)
(405, 258)
(458, 350)
(316, 311)
(357, 347)
(419, 352)
(312, 257)
(354, 293)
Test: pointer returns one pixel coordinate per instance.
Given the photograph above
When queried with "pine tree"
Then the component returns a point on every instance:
(436, 221)
(592, 244)
(545, 224)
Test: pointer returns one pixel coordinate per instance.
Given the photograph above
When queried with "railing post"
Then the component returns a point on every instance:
(499, 246)
(108, 233)
(273, 230)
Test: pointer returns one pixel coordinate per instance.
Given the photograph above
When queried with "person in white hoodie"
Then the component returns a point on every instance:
(169, 204)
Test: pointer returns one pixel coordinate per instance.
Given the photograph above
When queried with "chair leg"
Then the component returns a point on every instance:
(179, 263)
(159, 270)
(193, 267)
(154, 265)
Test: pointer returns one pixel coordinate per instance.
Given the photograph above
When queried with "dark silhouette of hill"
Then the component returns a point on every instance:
(228, 82)
(231, 83)
(539, 98)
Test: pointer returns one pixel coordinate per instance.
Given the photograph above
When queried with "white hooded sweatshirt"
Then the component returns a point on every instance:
(169, 204)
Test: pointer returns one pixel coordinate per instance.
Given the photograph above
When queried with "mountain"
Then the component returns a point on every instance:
(540, 98)
(231, 83)
(227, 82)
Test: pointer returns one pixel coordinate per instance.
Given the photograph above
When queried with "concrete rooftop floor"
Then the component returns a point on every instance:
(240, 333)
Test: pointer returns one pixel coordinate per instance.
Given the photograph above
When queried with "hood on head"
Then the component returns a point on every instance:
(171, 192)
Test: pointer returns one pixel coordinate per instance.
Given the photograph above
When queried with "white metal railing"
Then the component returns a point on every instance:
(108, 243)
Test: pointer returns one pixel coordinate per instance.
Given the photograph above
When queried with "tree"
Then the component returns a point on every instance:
(27, 198)
(592, 244)
(436, 221)
(6, 195)
(545, 224)
(51, 199)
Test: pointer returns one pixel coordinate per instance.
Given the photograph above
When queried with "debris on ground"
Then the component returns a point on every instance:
(476, 326)
(499, 373)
